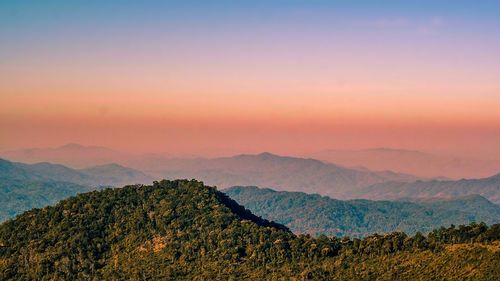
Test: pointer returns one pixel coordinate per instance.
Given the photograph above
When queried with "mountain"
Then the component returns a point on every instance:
(281, 172)
(103, 175)
(19, 196)
(486, 187)
(57, 172)
(16, 171)
(72, 154)
(315, 214)
(24, 186)
(116, 175)
(265, 169)
(22, 189)
(469, 203)
(412, 162)
(80, 156)
(183, 230)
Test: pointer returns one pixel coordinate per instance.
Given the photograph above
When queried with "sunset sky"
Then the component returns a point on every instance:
(227, 77)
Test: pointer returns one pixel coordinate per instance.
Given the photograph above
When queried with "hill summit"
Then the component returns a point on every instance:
(179, 230)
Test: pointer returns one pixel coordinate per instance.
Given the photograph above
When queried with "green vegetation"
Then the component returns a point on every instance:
(19, 196)
(23, 186)
(177, 230)
(22, 189)
(315, 214)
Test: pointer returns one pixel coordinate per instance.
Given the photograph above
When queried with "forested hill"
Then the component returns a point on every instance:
(22, 189)
(315, 214)
(27, 186)
(180, 230)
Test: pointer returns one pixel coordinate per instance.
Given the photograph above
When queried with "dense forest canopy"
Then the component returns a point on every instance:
(186, 230)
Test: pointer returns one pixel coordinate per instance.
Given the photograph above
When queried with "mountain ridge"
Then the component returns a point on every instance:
(422, 164)
(487, 187)
(315, 214)
(244, 169)
(183, 230)
(282, 172)
(26, 186)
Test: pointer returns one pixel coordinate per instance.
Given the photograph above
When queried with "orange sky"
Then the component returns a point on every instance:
(291, 82)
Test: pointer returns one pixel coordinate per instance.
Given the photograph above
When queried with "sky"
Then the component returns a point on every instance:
(228, 77)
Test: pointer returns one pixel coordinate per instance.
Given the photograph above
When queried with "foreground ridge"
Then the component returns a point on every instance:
(183, 229)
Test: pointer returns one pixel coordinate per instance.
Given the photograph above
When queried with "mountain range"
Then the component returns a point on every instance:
(314, 176)
(103, 175)
(184, 230)
(280, 172)
(27, 186)
(422, 164)
(71, 154)
(316, 215)
(264, 170)
(486, 187)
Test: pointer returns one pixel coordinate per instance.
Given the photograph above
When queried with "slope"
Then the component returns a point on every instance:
(281, 172)
(21, 189)
(183, 230)
(23, 186)
(315, 214)
(116, 175)
(486, 187)
(412, 162)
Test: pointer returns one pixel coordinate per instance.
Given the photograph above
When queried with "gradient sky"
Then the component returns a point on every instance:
(224, 77)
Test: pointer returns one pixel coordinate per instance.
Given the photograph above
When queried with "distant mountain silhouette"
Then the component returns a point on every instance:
(411, 162)
(270, 170)
(72, 154)
(116, 175)
(486, 187)
(103, 175)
